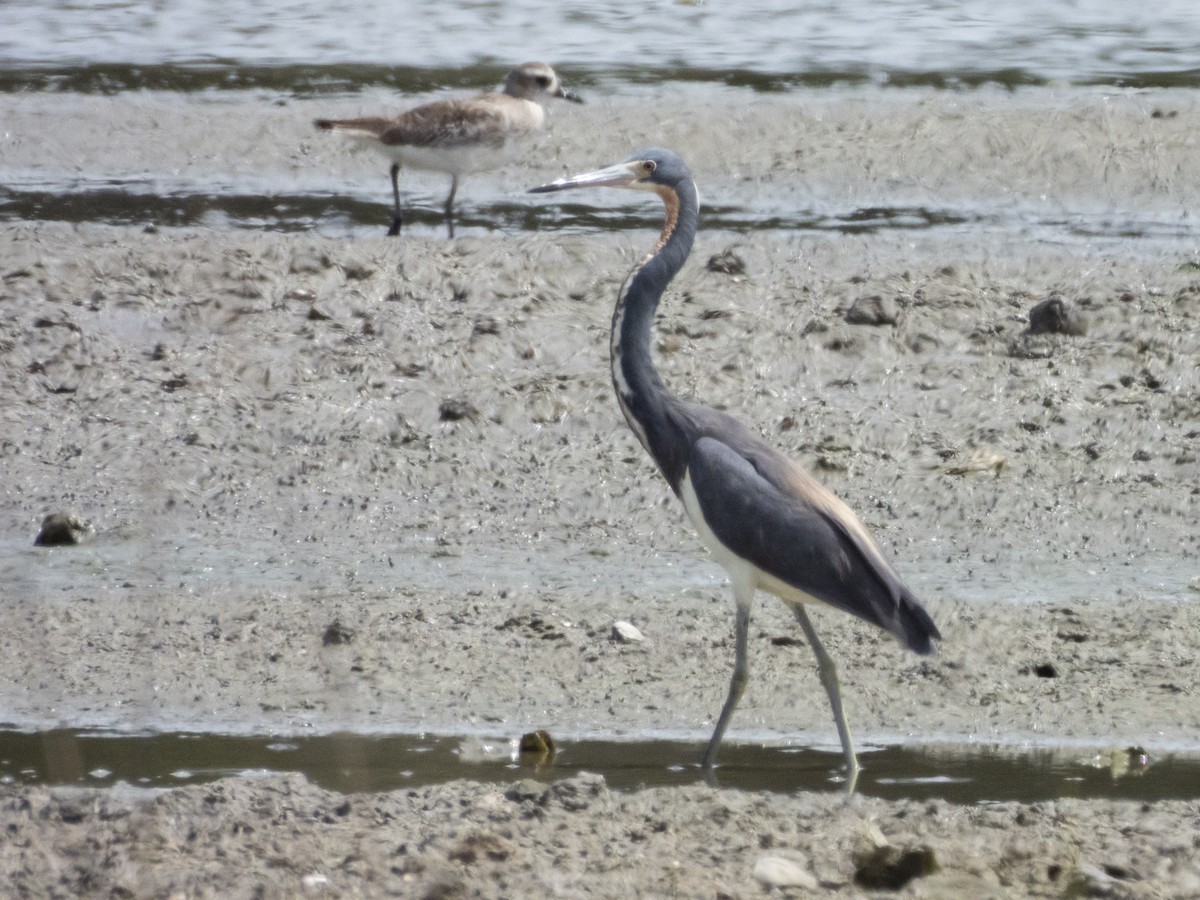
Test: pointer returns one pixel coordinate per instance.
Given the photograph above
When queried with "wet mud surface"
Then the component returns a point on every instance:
(412, 445)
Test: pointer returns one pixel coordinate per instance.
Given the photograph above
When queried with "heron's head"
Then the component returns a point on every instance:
(536, 81)
(655, 170)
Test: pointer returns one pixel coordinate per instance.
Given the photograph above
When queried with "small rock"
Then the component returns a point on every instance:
(456, 410)
(538, 743)
(357, 271)
(873, 310)
(63, 529)
(890, 868)
(1150, 380)
(923, 342)
(336, 634)
(1056, 316)
(814, 326)
(781, 872)
(575, 794)
(727, 262)
(626, 633)
(1030, 346)
(485, 325)
(315, 882)
(1091, 881)
(308, 261)
(982, 459)
(525, 789)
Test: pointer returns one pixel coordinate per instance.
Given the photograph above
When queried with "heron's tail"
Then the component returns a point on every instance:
(913, 625)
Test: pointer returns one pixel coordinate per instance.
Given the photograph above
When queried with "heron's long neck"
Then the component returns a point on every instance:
(641, 393)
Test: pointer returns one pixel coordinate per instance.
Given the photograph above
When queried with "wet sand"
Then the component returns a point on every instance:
(417, 440)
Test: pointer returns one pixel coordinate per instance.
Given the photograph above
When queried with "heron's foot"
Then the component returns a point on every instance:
(394, 228)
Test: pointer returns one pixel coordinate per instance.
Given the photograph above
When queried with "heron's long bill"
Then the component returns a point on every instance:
(623, 174)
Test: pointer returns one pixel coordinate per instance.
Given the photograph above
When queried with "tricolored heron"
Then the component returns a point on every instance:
(766, 520)
(457, 136)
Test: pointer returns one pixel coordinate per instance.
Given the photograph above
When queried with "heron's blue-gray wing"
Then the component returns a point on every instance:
(773, 514)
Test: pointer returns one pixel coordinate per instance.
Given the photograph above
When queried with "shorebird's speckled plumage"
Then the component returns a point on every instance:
(457, 137)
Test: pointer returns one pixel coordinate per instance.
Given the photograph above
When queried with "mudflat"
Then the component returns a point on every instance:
(414, 442)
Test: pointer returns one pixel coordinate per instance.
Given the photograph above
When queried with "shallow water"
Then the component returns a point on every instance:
(774, 44)
(367, 762)
(210, 205)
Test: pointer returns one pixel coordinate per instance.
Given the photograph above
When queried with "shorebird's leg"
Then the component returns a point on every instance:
(450, 204)
(829, 680)
(397, 218)
(744, 597)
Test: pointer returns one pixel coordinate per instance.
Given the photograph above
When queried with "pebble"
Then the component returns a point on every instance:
(982, 459)
(1056, 316)
(891, 868)
(455, 410)
(335, 634)
(63, 529)
(626, 633)
(873, 310)
(781, 872)
(315, 882)
(539, 743)
(578, 793)
(527, 789)
(727, 262)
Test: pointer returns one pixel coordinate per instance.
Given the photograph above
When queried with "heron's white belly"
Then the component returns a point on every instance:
(741, 571)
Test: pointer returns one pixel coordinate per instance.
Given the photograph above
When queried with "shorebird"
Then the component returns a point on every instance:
(457, 137)
(766, 520)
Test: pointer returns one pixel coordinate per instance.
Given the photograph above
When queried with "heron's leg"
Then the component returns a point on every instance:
(397, 218)
(829, 680)
(741, 671)
(450, 204)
